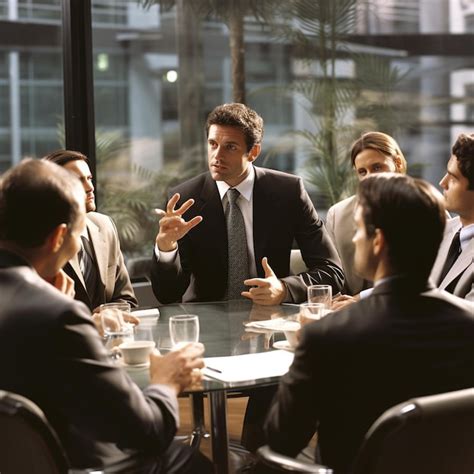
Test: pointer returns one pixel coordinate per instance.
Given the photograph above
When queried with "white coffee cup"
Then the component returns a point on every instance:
(136, 352)
(291, 331)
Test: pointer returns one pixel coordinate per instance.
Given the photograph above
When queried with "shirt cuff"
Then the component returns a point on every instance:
(165, 257)
(365, 293)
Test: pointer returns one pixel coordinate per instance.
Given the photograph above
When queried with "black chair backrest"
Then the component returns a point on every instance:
(28, 444)
(432, 434)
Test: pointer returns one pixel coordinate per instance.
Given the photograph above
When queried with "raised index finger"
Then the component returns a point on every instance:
(171, 203)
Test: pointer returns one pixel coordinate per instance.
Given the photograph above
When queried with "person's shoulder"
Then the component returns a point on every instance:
(271, 174)
(49, 303)
(191, 186)
(348, 203)
(99, 219)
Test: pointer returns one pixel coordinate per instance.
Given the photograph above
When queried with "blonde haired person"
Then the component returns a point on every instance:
(373, 152)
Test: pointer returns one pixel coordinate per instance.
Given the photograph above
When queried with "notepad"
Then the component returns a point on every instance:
(246, 367)
(278, 324)
(146, 313)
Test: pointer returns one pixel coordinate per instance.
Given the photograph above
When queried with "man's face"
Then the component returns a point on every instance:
(72, 239)
(371, 161)
(364, 259)
(82, 171)
(227, 154)
(458, 197)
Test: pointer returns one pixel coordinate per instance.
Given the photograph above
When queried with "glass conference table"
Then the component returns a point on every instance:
(223, 333)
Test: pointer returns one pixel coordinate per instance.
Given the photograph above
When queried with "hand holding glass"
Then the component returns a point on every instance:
(184, 328)
(115, 329)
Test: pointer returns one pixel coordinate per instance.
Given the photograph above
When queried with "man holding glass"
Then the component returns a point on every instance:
(406, 340)
(240, 224)
(50, 351)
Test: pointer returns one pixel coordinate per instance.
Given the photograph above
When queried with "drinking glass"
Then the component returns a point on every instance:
(116, 330)
(311, 312)
(184, 328)
(320, 294)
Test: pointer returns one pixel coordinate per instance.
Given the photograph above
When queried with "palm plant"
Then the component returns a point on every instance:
(338, 108)
(232, 13)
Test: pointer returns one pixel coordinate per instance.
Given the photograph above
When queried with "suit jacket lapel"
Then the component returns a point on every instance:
(452, 227)
(262, 217)
(100, 249)
(462, 262)
(209, 205)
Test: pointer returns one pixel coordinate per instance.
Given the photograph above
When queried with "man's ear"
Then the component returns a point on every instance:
(56, 237)
(379, 243)
(254, 152)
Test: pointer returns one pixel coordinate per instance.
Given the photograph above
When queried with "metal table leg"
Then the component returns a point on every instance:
(220, 437)
(199, 431)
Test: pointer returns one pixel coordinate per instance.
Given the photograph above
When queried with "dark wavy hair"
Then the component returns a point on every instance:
(240, 116)
(463, 150)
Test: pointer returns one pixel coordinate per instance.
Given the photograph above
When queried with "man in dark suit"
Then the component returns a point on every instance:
(194, 259)
(50, 351)
(105, 279)
(407, 339)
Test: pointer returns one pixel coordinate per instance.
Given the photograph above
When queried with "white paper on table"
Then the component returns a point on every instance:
(146, 313)
(278, 324)
(241, 368)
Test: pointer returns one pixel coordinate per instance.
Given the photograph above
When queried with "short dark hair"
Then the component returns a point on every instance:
(63, 157)
(240, 116)
(382, 143)
(463, 150)
(411, 214)
(36, 197)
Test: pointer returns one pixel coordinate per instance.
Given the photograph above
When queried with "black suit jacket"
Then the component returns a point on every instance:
(51, 353)
(351, 366)
(282, 213)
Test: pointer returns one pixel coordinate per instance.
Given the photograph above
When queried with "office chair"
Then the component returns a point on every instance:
(431, 434)
(28, 443)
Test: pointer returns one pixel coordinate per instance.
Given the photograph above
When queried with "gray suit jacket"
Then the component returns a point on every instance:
(341, 228)
(114, 281)
(463, 268)
(282, 213)
(51, 353)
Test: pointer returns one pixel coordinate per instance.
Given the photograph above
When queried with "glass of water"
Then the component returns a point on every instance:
(184, 328)
(115, 329)
(320, 294)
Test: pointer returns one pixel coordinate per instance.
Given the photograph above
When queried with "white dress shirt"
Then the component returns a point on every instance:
(245, 203)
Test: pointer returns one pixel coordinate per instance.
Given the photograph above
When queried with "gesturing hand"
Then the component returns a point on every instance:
(172, 226)
(267, 291)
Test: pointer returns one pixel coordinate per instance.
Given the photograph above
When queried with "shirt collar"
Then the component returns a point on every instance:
(245, 188)
(467, 233)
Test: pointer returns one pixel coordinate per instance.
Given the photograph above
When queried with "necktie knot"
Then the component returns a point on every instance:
(232, 195)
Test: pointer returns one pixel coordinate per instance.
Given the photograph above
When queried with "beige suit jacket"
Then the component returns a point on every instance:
(114, 280)
(463, 268)
(341, 228)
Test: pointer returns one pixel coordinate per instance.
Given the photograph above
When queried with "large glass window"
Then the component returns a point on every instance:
(319, 72)
(31, 79)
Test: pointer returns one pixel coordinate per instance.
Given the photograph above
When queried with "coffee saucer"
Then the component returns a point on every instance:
(135, 366)
(284, 345)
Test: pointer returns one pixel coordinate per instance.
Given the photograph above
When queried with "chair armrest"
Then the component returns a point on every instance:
(273, 459)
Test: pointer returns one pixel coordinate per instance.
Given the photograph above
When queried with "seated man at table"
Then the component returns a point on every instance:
(50, 351)
(241, 222)
(407, 339)
(98, 270)
(453, 270)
